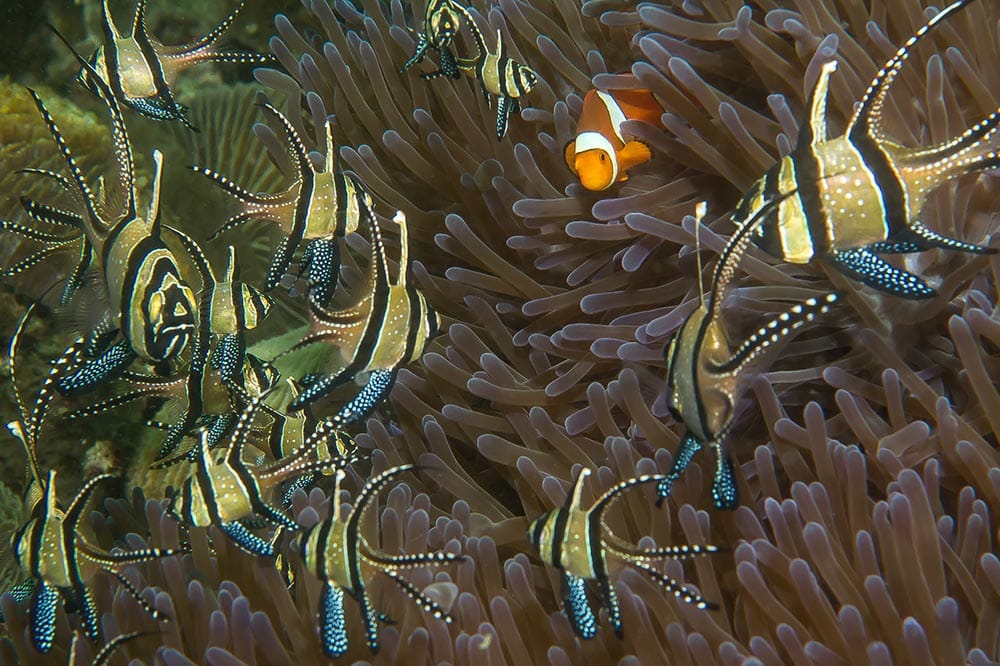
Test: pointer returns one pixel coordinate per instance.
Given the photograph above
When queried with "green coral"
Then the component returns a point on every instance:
(11, 516)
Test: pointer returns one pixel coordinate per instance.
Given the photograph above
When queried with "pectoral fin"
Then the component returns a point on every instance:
(863, 265)
(632, 154)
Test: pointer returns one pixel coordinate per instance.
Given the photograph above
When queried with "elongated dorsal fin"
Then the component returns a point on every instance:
(153, 216)
(367, 494)
(868, 111)
(232, 267)
(138, 17)
(616, 490)
(109, 21)
(780, 327)
(733, 253)
(574, 499)
(404, 253)
(815, 132)
(339, 477)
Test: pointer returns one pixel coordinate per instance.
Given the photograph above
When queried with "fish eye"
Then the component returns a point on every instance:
(604, 158)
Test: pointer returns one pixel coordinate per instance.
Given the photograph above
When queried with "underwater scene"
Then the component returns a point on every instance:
(499, 332)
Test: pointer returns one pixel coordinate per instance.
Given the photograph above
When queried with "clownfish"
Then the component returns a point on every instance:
(601, 155)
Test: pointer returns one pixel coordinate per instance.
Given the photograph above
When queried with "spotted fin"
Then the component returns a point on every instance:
(109, 365)
(610, 599)
(20, 593)
(333, 623)
(685, 594)
(725, 492)
(867, 267)
(580, 615)
(375, 390)
(896, 247)
(247, 540)
(934, 239)
(682, 458)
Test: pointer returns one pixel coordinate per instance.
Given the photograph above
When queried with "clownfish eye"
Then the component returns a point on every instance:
(604, 158)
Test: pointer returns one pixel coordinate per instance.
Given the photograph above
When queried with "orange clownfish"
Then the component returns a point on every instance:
(600, 154)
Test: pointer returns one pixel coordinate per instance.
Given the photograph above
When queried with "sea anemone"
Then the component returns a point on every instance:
(560, 301)
(866, 451)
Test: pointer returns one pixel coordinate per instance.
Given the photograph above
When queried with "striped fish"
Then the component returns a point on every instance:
(142, 72)
(571, 539)
(289, 431)
(847, 200)
(50, 547)
(152, 305)
(499, 75)
(442, 19)
(703, 368)
(334, 551)
(68, 238)
(228, 492)
(221, 375)
(319, 206)
(382, 331)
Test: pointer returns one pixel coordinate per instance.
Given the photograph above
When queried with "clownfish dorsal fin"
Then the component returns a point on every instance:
(638, 104)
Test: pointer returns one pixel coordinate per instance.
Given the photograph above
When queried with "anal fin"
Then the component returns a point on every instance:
(577, 609)
(934, 239)
(682, 458)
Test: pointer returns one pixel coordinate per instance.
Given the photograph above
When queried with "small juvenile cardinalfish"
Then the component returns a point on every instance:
(601, 154)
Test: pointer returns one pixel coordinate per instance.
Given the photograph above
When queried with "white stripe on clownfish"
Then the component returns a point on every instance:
(597, 141)
(615, 115)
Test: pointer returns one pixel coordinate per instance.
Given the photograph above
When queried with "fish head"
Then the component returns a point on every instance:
(171, 309)
(596, 168)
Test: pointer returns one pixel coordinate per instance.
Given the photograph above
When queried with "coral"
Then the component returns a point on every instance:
(866, 454)
(11, 515)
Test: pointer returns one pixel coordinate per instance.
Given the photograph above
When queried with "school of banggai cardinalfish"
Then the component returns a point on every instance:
(843, 201)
